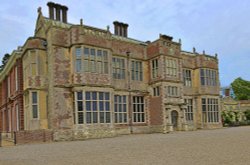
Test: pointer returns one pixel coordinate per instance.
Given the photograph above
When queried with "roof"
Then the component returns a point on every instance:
(11, 61)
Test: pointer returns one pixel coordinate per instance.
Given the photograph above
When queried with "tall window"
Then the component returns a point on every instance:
(120, 109)
(78, 59)
(172, 91)
(171, 67)
(79, 106)
(210, 110)
(34, 105)
(16, 77)
(155, 68)
(17, 117)
(91, 60)
(189, 110)
(208, 77)
(94, 109)
(33, 64)
(9, 85)
(187, 77)
(118, 65)
(136, 70)
(138, 109)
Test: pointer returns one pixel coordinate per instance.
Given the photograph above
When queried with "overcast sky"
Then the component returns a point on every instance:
(216, 26)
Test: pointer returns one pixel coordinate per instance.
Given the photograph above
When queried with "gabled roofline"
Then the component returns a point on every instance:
(16, 54)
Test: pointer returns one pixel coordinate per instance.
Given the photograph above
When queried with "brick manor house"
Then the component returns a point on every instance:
(81, 82)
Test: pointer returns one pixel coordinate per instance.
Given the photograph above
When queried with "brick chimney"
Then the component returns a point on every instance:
(120, 29)
(57, 12)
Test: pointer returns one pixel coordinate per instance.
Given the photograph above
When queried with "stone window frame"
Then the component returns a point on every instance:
(156, 91)
(118, 68)
(208, 77)
(155, 68)
(187, 77)
(139, 110)
(136, 70)
(210, 110)
(172, 91)
(91, 60)
(189, 112)
(171, 67)
(93, 113)
(120, 109)
(36, 104)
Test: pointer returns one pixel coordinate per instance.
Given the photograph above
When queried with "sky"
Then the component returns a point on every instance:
(216, 26)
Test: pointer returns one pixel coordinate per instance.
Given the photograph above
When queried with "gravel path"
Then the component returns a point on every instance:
(228, 146)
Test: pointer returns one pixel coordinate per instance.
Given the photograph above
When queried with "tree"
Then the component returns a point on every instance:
(241, 89)
(247, 114)
(4, 61)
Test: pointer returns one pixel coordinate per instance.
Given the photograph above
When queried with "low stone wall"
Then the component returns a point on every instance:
(36, 136)
(94, 133)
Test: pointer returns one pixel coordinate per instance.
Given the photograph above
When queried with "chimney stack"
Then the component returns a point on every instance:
(51, 9)
(57, 12)
(121, 29)
(64, 13)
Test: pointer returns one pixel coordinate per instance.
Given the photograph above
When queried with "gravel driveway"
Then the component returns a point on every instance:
(227, 146)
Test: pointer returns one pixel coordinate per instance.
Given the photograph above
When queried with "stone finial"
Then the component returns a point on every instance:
(203, 52)
(194, 50)
(81, 21)
(179, 41)
(108, 28)
(39, 10)
(216, 55)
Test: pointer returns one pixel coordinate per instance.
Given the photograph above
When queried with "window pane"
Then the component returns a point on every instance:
(106, 96)
(107, 108)
(79, 106)
(107, 117)
(88, 105)
(87, 95)
(79, 95)
(101, 117)
(92, 53)
(88, 117)
(86, 65)
(34, 111)
(86, 52)
(94, 96)
(94, 105)
(78, 65)
(105, 55)
(95, 117)
(80, 118)
(78, 53)
(34, 97)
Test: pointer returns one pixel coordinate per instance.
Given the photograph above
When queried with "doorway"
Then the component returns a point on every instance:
(174, 119)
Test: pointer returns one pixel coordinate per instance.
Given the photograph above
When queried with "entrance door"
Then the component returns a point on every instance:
(174, 119)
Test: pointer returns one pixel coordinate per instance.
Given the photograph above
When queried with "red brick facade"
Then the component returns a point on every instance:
(11, 102)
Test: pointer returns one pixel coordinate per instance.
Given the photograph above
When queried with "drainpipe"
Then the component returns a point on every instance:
(129, 94)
